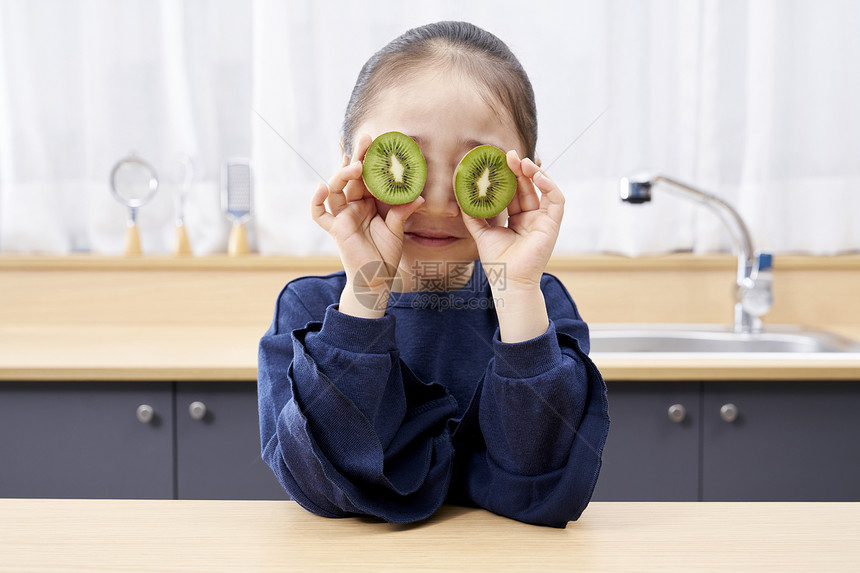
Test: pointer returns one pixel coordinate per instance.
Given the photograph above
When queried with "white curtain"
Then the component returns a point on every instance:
(753, 101)
(84, 84)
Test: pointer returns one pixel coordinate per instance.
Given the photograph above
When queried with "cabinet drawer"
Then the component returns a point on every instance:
(791, 441)
(84, 440)
(218, 452)
(648, 456)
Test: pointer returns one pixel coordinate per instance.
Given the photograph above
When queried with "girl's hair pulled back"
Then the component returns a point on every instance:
(458, 46)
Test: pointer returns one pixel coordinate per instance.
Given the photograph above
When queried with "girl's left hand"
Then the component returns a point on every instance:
(526, 243)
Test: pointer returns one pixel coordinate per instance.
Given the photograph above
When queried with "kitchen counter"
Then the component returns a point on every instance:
(212, 536)
(113, 352)
(151, 318)
(126, 352)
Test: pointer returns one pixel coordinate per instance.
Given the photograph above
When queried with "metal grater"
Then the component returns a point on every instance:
(236, 191)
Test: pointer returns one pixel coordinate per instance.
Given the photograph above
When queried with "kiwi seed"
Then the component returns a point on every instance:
(483, 182)
(394, 168)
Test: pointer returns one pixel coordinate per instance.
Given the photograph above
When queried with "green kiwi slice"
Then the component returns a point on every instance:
(394, 169)
(483, 182)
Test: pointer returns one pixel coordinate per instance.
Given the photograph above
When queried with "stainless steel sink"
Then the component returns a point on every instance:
(708, 339)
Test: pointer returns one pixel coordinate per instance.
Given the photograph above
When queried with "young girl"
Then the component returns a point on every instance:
(443, 364)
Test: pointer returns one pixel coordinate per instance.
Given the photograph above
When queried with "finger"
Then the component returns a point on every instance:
(513, 160)
(364, 141)
(318, 211)
(344, 175)
(357, 190)
(337, 199)
(398, 215)
(530, 168)
(552, 199)
(474, 225)
(526, 197)
(351, 169)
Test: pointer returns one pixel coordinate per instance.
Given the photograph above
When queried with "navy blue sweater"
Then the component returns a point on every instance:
(391, 417)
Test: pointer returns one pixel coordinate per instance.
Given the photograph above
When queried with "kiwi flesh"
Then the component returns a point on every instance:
(394, 169)
(483, 182)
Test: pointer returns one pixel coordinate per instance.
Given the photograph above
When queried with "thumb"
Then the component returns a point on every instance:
(475, 226)
(398, 214)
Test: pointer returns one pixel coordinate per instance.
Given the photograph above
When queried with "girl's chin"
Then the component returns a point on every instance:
(420, 248)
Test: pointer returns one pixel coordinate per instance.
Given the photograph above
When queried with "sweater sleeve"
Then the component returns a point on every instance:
(542, 419)
(345, 425)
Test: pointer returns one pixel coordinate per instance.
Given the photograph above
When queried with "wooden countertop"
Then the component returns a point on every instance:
(87, 317)
(120, 353)
(249, 536)
(229, 353)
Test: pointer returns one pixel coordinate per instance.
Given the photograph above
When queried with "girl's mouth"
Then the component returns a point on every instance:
(431, 240)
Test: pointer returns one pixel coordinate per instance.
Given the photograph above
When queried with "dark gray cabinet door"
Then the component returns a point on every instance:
(649, 457)
(218, 456)
(791, 441)
(84, 440)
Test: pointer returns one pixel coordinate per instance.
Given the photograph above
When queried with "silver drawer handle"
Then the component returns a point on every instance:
(145, 413)
(197, 410)
(729, 413)
(677, 413)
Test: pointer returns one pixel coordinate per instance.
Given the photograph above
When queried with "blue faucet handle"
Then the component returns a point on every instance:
(764, 262)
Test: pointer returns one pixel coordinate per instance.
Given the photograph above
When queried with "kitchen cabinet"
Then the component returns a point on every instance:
(788, 441)
(84, 440)
(650, 456)
(218, 443)
(737, 441)
(132, 440)
(668, 441)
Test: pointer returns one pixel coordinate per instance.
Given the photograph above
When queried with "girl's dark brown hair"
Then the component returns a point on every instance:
(451, 45)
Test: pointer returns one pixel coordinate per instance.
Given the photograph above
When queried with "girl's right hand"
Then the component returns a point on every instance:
(370, 246)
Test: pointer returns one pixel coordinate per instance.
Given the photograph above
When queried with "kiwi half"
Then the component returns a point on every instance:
(394, 168)
(483, 182)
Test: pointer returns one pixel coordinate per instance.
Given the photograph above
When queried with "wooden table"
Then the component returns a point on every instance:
(248, 536)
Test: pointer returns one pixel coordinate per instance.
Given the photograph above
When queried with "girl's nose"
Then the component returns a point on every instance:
(438, 193)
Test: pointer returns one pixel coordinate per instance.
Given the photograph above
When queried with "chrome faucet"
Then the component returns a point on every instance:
(753, 294)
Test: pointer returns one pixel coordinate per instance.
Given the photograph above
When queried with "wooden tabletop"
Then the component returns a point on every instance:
(213, 353)
(250, 536)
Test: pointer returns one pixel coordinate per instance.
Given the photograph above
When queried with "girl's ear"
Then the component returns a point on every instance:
(537, 161)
